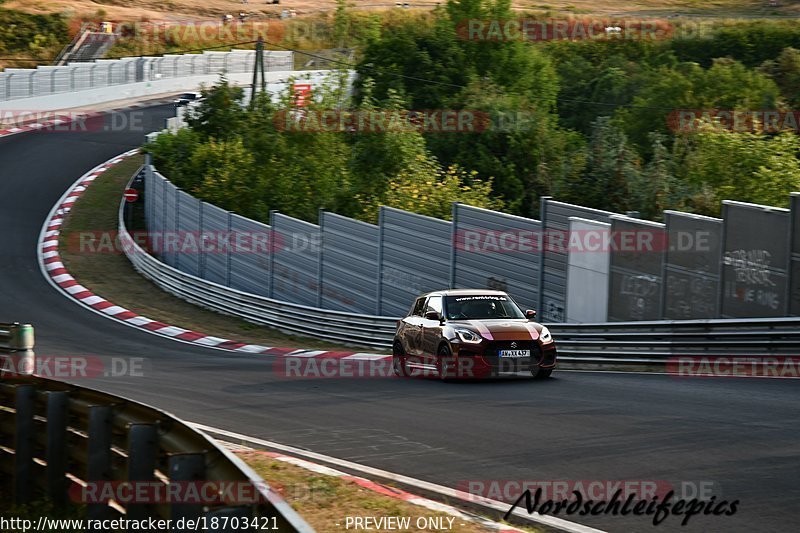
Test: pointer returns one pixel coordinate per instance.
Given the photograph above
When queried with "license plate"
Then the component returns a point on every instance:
(515, 353)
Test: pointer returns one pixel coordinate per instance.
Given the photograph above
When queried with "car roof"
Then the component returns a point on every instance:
(472, 292)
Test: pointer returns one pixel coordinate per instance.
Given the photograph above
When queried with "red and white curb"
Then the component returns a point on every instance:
(54, 271)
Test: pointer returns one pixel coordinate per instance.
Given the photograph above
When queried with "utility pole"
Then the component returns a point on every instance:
(258, 67)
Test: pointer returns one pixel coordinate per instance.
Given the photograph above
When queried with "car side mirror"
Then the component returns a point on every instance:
(433, 315)
(530, 314)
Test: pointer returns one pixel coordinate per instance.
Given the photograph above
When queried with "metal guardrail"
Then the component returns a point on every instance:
(636, 343)
(56, 437)
(16, 337)
(656, 342)
(16, 83)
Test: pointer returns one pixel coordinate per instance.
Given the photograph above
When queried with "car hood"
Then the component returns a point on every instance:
(502, 330)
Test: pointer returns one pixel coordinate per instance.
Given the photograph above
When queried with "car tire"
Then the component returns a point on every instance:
(399, 360)
(443, 365)
(541, 373)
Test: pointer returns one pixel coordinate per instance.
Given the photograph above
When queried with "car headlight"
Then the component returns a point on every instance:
(467, 335)
(545, 336)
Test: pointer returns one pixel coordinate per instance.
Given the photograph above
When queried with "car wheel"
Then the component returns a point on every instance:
(399, 360)
(445, 366)
(541, 373)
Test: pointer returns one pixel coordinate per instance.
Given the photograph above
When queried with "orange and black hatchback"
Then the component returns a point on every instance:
(471, 334)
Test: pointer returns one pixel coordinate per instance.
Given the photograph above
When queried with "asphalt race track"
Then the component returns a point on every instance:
(741, 434)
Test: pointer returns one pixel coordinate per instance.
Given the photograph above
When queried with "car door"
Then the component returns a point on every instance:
(412, 331)
(431, 331)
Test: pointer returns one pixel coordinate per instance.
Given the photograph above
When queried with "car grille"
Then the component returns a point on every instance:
(509, 364)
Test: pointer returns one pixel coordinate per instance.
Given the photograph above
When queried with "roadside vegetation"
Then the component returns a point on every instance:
(326, 501)
(30, 38)
(590, 121)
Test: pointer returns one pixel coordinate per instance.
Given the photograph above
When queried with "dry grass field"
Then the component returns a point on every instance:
(132, 10)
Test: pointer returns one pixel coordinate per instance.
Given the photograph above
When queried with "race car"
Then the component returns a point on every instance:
(186, 98)
(465, 333)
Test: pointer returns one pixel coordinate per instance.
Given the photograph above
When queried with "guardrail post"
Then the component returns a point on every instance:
(56, 452)
(21, 337)
(186, 468)
(228, 251)
(99, 455)
(142, 456)
(271, 256)
(379, 280)
(25, 397)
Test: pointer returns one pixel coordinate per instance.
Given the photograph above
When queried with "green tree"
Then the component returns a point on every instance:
(785, 72)
(748, 167)
(221, 114)
(612, 170)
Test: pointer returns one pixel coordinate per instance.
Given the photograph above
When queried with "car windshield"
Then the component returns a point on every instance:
(481, 307)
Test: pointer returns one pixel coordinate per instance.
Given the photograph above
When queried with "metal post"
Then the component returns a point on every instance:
(228, 252)
(23, 443)
(56, 453)
(21, 337)
(142, 456)
(201, 268)
(186, 468)
(379, 280)
(271, 250)
(321, 220)
(542, 248)
(176, 229)
(720, 259)
(99, 454)
(258, 66)
(453, 238)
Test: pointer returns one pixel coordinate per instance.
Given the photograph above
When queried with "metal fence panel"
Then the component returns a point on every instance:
(349, 265)
(170, 223)
(154, 202)
(692, 266)
(555, 220)
(250, 272)
(46, 80)
(18, 82)
(587, 275)
(794, 295)
(216, 236)
(188, 233)
(415, 258)
(755, 260)
(637, 262)
(295, 260)
(81, 76)
(494, 250)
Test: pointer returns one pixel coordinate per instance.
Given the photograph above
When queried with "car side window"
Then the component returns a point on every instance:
(434, 304)
(419, 306)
